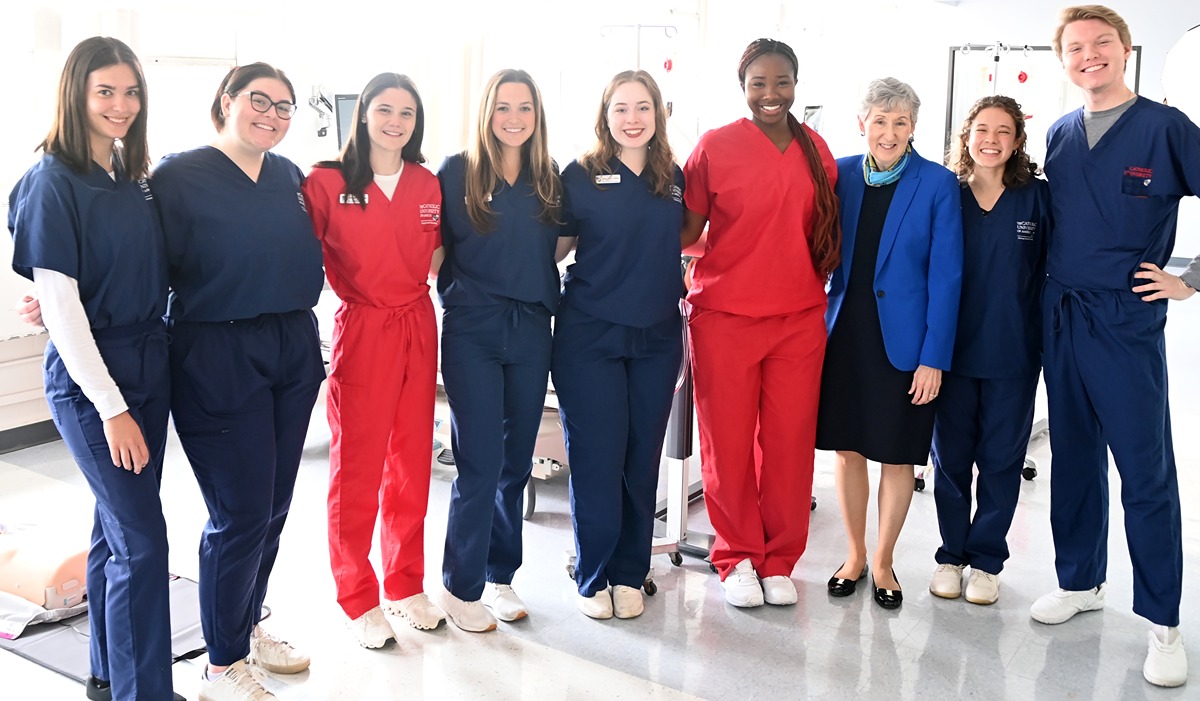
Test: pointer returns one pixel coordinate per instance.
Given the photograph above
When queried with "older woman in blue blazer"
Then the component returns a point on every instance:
(893, 308)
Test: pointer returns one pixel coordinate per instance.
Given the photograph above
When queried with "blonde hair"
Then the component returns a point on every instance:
(484, 160)
(1086, 12)
(660, 162)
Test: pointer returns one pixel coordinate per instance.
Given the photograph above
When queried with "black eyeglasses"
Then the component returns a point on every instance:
(261, 102)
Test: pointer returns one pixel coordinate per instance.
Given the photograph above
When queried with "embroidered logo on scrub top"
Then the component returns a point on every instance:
(431, 213)
(1026, 230)
(300, 196)
(676, 194)
(145, 185)
(1137, 181)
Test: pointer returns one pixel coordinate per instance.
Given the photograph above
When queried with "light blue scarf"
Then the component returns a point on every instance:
(876, 177)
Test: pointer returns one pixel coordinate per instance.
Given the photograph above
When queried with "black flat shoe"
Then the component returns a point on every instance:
(845, 587)
(97, 690)
(888, 598)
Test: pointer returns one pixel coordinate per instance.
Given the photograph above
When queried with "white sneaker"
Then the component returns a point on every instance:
(417, 610)
(371, 629)
(598, 605)
(235, 684)
(470, 616)
(1166, 663)
(1060, 605)
(275, 655)
(742, 588)
(983, 588)
(779, 590)
(627, 601)
(504, 602)
(947, 581)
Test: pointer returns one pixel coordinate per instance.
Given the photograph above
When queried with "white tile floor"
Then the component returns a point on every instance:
(689, 644)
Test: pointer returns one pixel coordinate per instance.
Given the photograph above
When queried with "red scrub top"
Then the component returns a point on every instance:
(759, 204)
(378, 256)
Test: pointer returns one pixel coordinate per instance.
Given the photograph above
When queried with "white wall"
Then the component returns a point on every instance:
(450, 48)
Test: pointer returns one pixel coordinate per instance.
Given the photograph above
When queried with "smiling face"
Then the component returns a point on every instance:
(631, 115)
(257, 131)
(993, 138)
(887, 134)
(770, 86)
(1094, 57)
(113, 103)
(514, 117)
(391, 119)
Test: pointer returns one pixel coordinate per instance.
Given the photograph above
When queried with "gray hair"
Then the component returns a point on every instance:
(889, 95)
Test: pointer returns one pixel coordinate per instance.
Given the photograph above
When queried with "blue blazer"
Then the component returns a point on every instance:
(918, 269)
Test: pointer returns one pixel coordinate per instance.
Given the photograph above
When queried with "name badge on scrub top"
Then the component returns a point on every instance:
(351, 199)
(612, 179)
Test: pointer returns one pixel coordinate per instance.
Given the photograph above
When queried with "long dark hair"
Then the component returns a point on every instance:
(70, 136)
(237, 79)
(1018, 169)
(355, 158)
(825, 244)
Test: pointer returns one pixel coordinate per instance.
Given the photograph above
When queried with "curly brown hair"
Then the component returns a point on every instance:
(1019, 169)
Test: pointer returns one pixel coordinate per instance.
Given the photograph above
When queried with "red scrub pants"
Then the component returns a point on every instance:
(756, 386)
(381, 395)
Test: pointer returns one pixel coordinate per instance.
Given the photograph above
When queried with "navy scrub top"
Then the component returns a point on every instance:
(236, 248)
(515, 261)
(1004, 252)
(627, 258)
(103, 233)
(1117, 204)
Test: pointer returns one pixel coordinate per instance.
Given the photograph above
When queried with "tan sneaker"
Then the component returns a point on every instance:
(504, 602)
(235, 684)
(470, 616)
(627, 601)
(598, 605)
(947, 581)
(983, 588)
(275, 655)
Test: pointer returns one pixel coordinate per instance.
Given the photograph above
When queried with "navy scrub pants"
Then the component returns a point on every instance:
(984, 423)
(495, 367)
(1105, 366)
(614, 385)
(128, 602)
(243, 394)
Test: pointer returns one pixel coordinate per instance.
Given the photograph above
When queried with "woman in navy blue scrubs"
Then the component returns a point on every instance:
(986, 399)
(499, 286)
(617, 340)
(245, 270)
(86, 232)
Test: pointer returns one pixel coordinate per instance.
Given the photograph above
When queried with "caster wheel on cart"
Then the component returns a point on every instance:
(814, 505)
(676, 558)
(650, 587)
(530, 500)
(919, 485)
(1028, 473)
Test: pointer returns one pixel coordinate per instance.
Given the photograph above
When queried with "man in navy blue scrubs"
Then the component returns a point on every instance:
(1117, 170)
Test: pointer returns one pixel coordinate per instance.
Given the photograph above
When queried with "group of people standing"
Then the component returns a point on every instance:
(879, 305)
